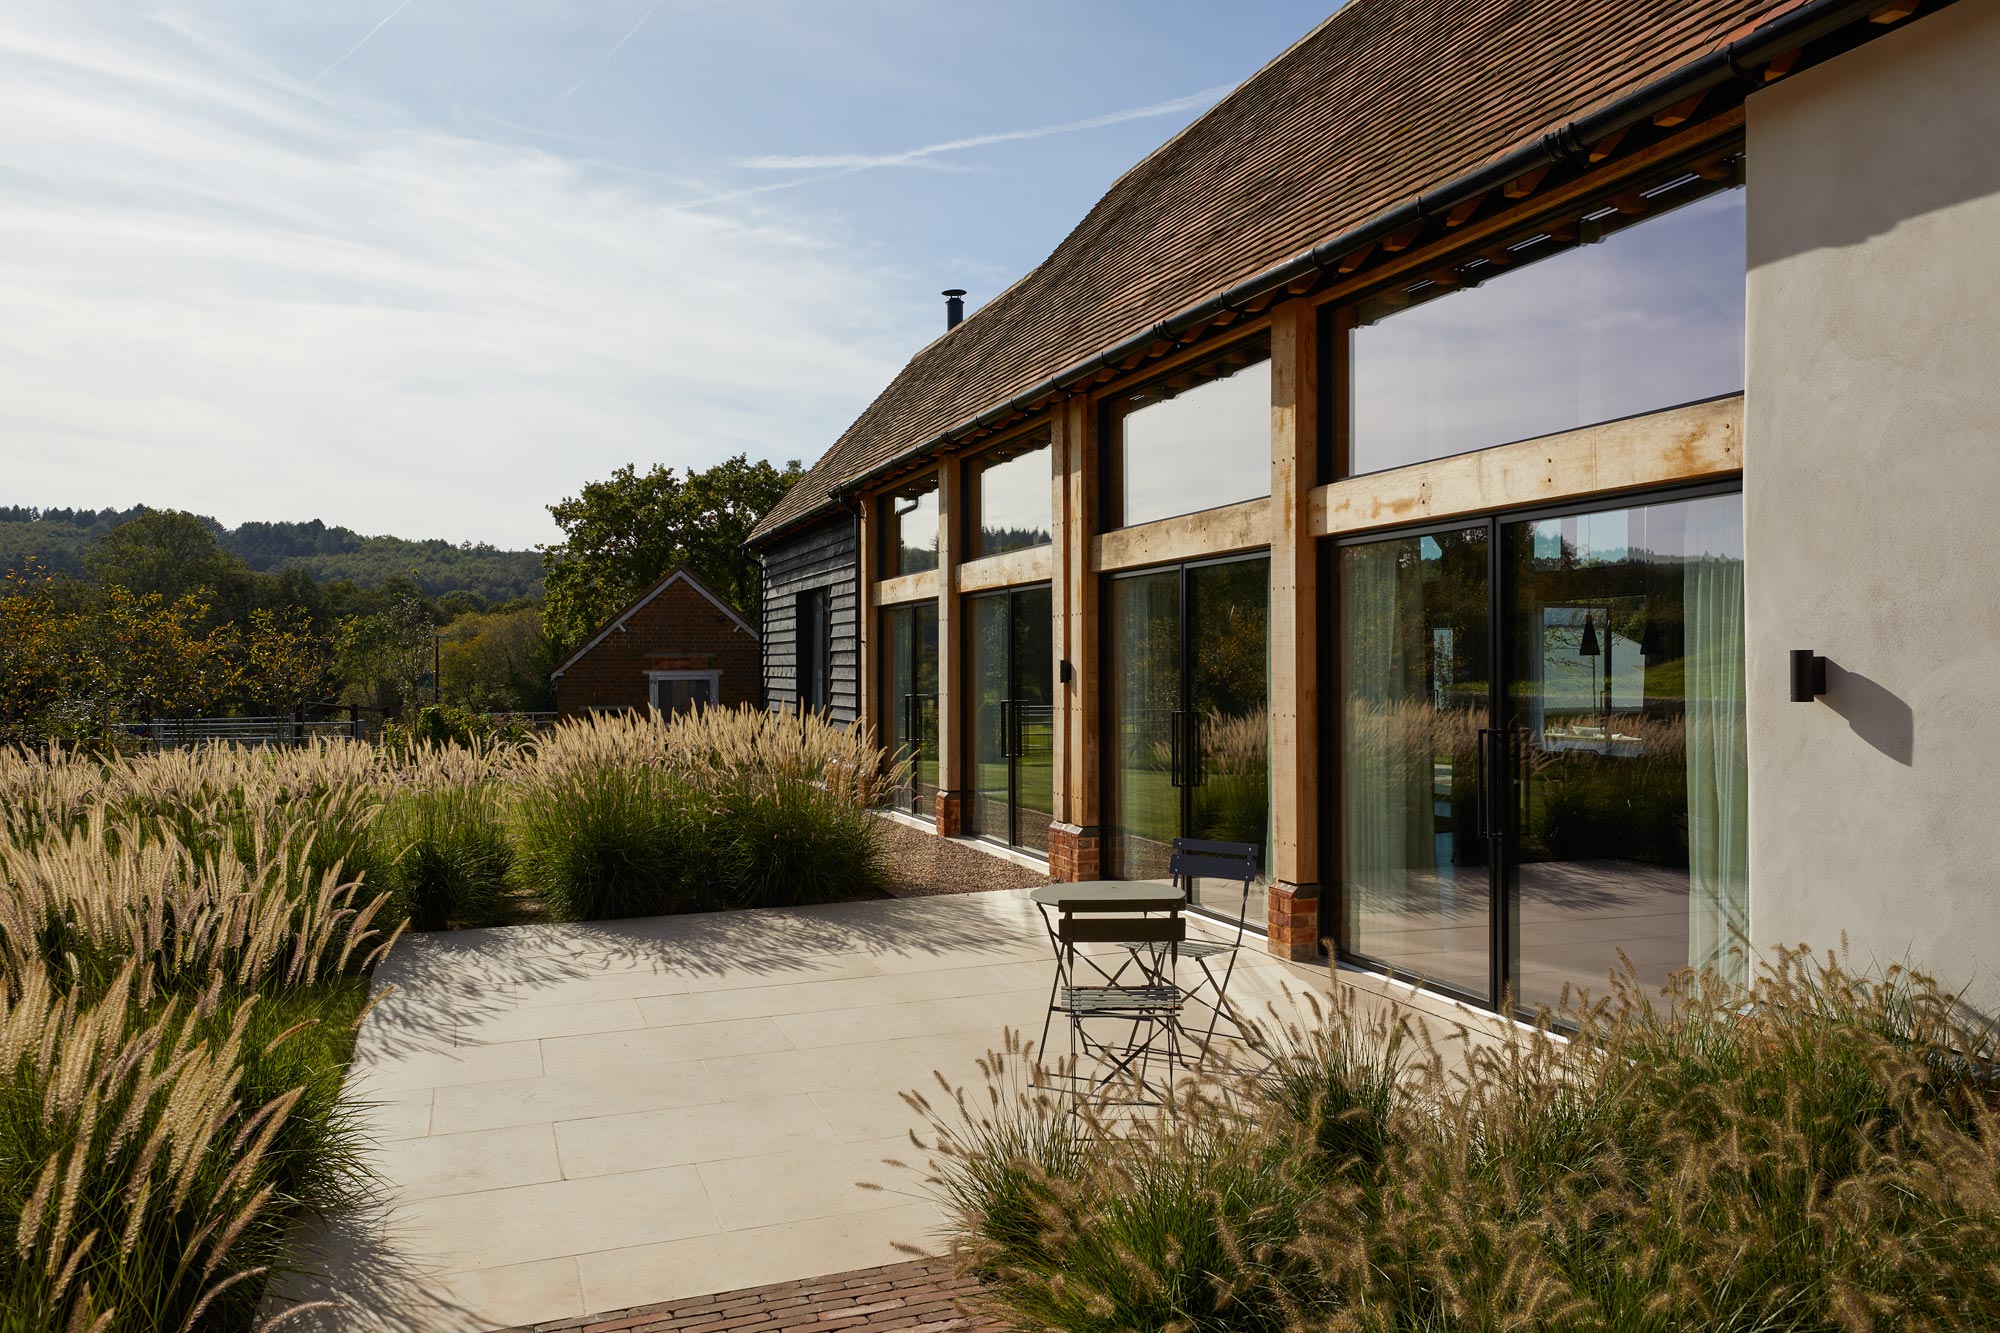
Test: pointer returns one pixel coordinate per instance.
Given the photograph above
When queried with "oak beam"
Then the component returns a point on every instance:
(1245, 526)
(951, 785)
(1693, 443)
(1293, 674)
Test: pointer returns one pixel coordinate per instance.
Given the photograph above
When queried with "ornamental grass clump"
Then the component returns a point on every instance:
(639, 814)
(183, 960)
(443, 837)
(1820, 1153)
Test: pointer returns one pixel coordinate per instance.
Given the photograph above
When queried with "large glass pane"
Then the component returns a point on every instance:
(1625, 703)
(1415, 885)
(987, 697)
(1558, 336)
(1143, 684)
(1229, 778)
(910, 523)
(1199, 439)
(910, 688)
(1011, 494)
(1034, 739)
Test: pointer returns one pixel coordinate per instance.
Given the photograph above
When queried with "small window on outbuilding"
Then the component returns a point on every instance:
(683, 691)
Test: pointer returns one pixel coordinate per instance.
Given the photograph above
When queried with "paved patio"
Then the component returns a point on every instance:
(583, 1118)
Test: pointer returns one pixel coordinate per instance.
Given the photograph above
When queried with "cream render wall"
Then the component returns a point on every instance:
(1872, 500)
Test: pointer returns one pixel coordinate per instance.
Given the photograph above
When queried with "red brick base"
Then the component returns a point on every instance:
(1294, 921)
(1073, 853)
(926, 1296)
(950, 814)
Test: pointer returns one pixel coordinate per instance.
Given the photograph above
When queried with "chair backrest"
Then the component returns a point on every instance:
(1098, 929)
(1196, 859)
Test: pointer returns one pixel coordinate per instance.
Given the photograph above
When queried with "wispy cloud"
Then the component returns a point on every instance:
(923, 156)
(365, 39)
(225, 293)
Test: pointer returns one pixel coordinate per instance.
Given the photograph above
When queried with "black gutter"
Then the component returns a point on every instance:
(1739, 61)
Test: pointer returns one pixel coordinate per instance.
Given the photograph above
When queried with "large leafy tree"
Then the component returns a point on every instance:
(622, 533)
(175, 555)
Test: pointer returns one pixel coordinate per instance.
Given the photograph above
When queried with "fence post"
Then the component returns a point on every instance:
(354, 721)
(298, 724)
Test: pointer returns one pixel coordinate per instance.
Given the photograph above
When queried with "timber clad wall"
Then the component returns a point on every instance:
(824, 556)
(678, 630)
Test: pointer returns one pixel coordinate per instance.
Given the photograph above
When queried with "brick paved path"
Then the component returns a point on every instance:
(916, 1297)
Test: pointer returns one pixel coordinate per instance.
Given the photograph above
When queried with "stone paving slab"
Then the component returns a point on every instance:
(604, 1116)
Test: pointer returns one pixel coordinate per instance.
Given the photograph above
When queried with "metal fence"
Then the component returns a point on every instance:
(312, 722)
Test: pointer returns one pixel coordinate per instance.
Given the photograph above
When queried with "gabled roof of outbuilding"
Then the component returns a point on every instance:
(1384, 100)
(678, 574)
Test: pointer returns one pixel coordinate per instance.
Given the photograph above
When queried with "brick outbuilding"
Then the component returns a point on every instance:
(677, 645)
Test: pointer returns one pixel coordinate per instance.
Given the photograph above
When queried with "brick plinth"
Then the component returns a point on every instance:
(1294, 921)
(1073, 853)
(950, 814)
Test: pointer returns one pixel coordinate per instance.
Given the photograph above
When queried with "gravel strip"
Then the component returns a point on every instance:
(922, 865)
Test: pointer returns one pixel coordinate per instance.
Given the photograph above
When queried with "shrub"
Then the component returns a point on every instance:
(1825, 1157)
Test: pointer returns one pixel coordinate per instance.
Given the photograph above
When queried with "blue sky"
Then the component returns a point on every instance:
(426, 267)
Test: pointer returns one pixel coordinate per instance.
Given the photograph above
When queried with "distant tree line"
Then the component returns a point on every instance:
(61, 540)
(111, 617)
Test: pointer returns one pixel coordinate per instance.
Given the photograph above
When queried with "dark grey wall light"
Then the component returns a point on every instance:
(1808, 675)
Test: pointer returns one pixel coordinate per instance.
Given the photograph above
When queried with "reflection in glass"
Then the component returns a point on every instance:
(1415, 885)
(1647, 318)
(1189, 704)
(1625, 700)
(1010, 673)
(910, 528)
(1198, 439)
(987, 702)
(1229, 782)
(911, 687)
(1011, 495)
(1144, 680)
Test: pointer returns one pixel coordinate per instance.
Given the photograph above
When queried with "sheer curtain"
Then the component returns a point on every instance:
(1717, 761)
(1388, 827)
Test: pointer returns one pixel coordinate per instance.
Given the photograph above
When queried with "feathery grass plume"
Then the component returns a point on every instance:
(1820, 1152)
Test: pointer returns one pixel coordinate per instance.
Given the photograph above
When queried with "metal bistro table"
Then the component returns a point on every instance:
(1156, 996)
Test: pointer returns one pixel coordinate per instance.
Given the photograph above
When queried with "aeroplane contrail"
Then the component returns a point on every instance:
(363, 42)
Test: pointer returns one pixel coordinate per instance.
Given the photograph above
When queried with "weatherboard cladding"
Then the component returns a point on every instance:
(824, 555)
(1384, 100)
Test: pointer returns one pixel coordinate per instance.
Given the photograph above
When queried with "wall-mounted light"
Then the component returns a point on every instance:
(1808, 675)
(1064, 671)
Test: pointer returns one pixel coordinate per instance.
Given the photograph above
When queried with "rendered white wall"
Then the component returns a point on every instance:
(1872, 500)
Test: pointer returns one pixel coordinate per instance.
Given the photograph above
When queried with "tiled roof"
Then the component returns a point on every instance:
(1384, 100)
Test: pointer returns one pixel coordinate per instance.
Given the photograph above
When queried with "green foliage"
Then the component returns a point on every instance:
(620, 535)
(450, 857)
(497, 661)
(609, 842)
(1820, 1153)
(174, 556)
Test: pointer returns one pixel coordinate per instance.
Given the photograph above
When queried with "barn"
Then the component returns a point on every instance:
(676, 646)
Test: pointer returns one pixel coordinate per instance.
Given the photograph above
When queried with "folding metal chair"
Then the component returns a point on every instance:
(1233, 862)
(1151, 1003)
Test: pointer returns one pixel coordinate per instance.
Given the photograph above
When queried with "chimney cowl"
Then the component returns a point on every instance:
(954, 307)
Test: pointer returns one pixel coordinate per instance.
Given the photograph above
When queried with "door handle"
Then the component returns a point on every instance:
(1176, 765)
(1197, 769)
(1484, 805)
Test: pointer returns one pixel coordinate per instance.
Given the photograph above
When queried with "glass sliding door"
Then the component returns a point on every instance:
(1188, 716)
(910, 695)
(1606, 810)
(1010, 717)
(1416, 890)
(1624, 703)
